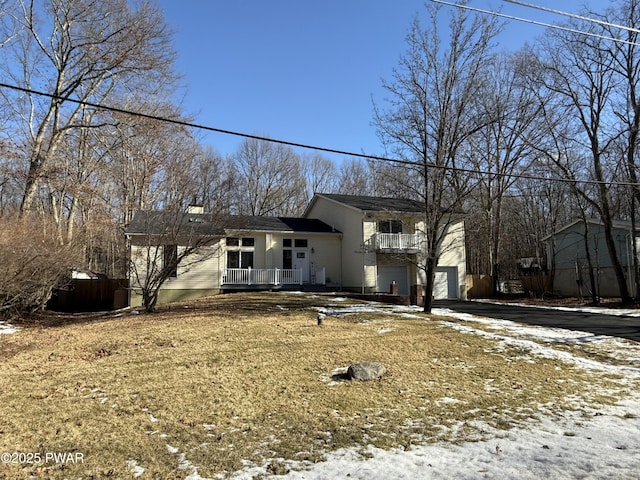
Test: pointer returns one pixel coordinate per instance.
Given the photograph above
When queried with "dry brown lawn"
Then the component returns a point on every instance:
(244, 379)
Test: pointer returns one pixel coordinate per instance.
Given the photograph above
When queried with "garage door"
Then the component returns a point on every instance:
(396, 273)
(446, 283)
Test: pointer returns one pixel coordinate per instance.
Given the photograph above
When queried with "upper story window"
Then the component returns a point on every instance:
(390, 226)
(237, 242)
(297, 243)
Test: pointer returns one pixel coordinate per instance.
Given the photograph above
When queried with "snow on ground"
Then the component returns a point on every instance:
(603, 444)
(7, 328)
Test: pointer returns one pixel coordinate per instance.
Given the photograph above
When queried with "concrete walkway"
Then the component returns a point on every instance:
(596, 323)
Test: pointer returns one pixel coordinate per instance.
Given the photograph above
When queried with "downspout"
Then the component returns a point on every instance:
(364, 246)
(129, 253)
(341, 260)
(630, 270)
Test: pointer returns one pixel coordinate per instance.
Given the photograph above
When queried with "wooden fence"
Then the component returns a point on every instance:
(534, 285)
(479, 286)
(91, 295)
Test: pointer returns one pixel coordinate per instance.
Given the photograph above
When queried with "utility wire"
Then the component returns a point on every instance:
(310, 147)
(572, 15)
(535, 22)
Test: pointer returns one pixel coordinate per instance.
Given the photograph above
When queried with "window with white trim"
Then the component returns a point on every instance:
(240, 252)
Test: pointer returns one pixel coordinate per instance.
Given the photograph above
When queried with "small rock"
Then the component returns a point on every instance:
(365, 371)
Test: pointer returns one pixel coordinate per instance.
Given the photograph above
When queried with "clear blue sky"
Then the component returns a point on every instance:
(305, 71)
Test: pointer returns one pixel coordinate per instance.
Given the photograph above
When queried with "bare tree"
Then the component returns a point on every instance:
(143, 155)
(579, 70)
(321, 175)
(269, 179)
(432, 112)
(503, 148)
(626, 67)
(82, 50)
(33, 265)
(354, 177)
(212, 181)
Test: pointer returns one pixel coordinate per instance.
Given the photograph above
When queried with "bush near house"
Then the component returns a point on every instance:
(34, 262)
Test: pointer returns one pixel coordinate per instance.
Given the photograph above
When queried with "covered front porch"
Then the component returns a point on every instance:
(270, 278)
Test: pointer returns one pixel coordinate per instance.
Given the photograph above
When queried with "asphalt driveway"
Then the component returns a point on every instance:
(599, 324)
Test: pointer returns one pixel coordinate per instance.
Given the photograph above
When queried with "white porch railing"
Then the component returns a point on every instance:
(398, 241)
(261, 276)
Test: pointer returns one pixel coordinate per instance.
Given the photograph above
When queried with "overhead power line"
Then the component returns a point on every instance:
(307, 146)
(535, 22)
(572, 15)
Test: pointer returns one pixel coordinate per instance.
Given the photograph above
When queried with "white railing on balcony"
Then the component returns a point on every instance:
(398, 241)
(261, 276)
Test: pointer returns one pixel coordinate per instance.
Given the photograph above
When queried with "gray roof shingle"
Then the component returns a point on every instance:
(172, 223)
(378, 204)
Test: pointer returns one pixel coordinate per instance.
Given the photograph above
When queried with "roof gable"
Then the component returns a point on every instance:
(623, 225)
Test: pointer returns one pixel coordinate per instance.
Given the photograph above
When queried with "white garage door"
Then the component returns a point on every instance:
(446, 283)
(396, 273)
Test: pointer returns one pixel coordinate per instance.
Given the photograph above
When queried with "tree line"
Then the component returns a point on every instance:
(475, 129)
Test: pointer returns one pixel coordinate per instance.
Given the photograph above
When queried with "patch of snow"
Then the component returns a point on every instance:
(171, 449)
(382, 331)
(605, 446)
(136, 469)
(7, 328)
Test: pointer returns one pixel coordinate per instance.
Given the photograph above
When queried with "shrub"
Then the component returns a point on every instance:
(33, 263)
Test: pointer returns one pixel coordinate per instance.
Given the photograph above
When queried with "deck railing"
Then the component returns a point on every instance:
(261, 276)
(398, 241)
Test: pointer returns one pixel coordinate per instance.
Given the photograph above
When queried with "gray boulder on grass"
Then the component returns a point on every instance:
(364, 371)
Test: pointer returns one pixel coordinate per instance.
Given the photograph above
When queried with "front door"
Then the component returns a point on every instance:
(301, 262)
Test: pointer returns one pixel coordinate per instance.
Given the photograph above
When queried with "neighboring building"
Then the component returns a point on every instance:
(357, 243)
(381, 243)
(567, 258)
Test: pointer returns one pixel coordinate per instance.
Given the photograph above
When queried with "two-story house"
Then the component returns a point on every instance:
(382, 243)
